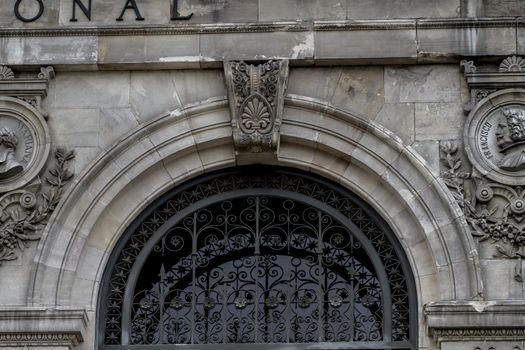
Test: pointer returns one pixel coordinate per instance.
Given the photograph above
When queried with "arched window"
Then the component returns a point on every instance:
(258, 256)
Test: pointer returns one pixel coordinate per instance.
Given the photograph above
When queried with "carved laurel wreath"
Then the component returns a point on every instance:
(25, 222)
(501, 223)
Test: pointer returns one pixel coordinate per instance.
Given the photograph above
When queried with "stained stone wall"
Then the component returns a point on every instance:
(374, 99)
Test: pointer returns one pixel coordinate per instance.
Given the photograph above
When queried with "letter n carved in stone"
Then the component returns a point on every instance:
(256, 96)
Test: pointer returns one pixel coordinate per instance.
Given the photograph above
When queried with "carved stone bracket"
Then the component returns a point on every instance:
(481, 83)
(30, 90)
(256, 95)
(42, 327)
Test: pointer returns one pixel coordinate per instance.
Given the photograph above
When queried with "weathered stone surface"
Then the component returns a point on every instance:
(319, 83)
(169, 50)
(14, 292)
(355, 46)
(430, 83)
(360, 90)
(276, 10)
(439, 44)
(498, 278)
(114, 123)
(398, 118)
(29, 9)
(43, 51)
(225, 11)
(293, 45)
(521, 36)
(92, 90)
(429, 151)
(75, 127)
(498, 8)
(365, 9)
(439, 121)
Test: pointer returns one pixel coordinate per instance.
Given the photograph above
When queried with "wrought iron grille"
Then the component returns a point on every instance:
(244, 258)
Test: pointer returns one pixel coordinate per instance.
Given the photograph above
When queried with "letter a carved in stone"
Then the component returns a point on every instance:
(256, 95)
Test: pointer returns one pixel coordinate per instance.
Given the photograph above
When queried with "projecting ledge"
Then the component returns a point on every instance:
(42, 327)
(460, 321)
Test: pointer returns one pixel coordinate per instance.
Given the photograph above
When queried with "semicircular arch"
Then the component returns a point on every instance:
(155, 157)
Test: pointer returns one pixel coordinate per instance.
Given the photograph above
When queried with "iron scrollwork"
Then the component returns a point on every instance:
(258, 269)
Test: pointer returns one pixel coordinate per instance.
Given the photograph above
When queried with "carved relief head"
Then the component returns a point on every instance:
(511, 131)
(9, 166)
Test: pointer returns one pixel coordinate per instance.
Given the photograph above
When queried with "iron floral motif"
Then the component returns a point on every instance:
(256, 95)
(22, 215)
(494, 211)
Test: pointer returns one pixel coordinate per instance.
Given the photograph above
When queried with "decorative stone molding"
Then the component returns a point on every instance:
(30, 90)
(256, 97)
(481, 83)
(476, 321)
(41, 327)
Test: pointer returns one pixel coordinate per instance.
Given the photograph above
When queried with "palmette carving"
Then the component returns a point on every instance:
(512, 64)
(23, 213)
(6, 73)
(256, 95)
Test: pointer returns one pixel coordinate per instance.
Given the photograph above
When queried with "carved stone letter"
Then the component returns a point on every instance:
(256, 95)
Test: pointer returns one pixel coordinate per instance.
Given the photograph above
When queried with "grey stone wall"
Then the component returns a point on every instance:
(375, 89)
(59, 12)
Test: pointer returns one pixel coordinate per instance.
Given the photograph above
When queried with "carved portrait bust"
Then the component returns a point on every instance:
(510, 136)
(25, 143)
(9, 165)
(494, 137)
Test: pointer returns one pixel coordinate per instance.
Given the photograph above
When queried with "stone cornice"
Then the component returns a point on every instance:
(39, 326)
(291, 26)
(475, 320)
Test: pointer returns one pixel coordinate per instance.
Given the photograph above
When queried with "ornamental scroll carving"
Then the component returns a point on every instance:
(256, 95)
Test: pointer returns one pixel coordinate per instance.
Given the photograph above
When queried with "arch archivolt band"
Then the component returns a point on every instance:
(159, 155)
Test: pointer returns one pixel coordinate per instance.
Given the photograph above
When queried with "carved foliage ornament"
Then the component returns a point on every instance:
(256, 94)
(24, 212)
(492, 193)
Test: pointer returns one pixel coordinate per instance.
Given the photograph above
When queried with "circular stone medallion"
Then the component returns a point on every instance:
(24, 143)
(495, 137)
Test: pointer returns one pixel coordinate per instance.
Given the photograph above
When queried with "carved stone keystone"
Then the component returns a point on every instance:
(256, 95)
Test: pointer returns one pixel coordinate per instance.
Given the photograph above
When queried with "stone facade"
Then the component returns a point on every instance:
(400, 101)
